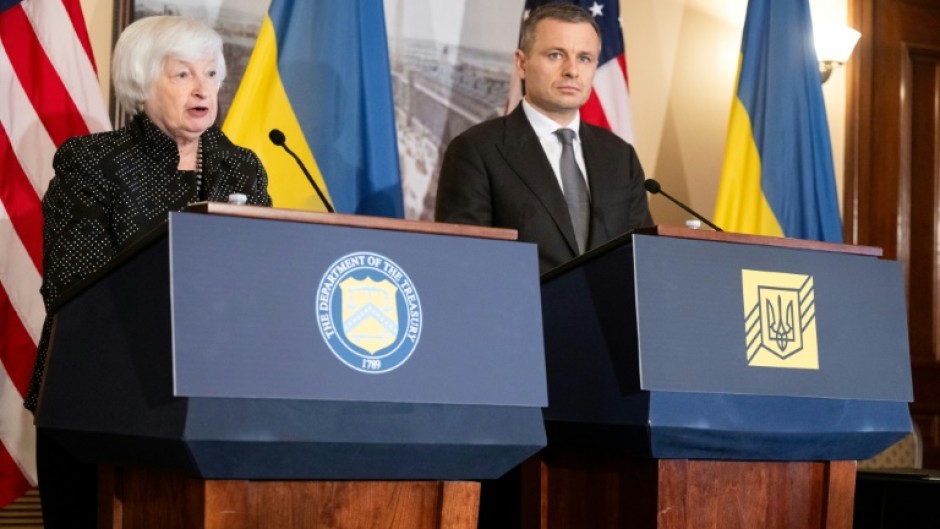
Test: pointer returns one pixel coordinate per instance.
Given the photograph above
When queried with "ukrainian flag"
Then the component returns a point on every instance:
(778, 178)
(320, 73)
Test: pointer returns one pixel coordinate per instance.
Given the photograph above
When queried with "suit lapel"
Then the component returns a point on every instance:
(525, 155)
(598, 171)
(599, 178)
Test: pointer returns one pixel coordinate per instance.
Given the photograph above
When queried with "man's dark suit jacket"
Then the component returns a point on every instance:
(496, 174)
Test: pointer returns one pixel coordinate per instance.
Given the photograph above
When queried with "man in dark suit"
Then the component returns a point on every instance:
(510, 172)
(520, 172)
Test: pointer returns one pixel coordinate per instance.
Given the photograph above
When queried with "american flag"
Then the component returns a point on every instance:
(609, 104)
(49, 91)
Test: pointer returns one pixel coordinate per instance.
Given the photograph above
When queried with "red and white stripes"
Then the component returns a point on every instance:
(610, 85)
(49, 92)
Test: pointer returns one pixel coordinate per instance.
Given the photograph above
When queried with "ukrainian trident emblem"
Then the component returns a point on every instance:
(780, 320)
(779, 311)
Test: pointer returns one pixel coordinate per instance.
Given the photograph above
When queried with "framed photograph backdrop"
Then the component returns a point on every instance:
(238, 21)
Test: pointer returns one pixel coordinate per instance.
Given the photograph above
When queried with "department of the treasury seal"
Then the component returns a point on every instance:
(369, 312)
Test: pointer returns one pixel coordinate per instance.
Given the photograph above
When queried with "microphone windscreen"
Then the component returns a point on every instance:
(652, 186)
(277, 137)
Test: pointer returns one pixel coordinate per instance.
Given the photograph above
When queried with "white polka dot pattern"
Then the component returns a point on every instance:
(113, 187)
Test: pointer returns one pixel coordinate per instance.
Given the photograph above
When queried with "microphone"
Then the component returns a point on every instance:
(277, 138)
(653, 187)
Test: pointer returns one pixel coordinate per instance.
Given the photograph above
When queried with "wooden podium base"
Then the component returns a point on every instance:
(151, 499)
(566, 490)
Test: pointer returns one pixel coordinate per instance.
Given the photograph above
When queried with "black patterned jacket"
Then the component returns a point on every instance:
(111, 188)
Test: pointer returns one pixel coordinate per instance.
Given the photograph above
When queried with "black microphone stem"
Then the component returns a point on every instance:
(329, 207)
(689, 210)
(653, 187)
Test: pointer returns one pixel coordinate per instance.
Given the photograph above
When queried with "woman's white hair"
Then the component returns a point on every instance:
(143, 47)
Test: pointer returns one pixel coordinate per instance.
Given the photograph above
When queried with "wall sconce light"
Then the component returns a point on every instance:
(834, 45)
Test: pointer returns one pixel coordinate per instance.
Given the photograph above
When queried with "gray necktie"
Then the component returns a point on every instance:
(576, 193)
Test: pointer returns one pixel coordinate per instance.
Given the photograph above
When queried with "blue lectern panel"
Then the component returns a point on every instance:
(109, 398)
(731, 318)
(646, 353)
(354, 314)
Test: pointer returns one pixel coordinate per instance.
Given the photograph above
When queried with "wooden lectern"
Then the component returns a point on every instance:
(252, 367)
(709, 380)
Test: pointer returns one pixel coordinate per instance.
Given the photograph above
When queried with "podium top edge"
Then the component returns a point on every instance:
(760, 240)
(353, 221)
(677, 232)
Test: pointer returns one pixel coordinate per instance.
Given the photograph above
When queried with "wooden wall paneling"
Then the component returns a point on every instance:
(920, 217)
(857, 129)
(892, 179)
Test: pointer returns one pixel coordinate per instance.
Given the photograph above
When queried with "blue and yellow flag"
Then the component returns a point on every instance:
(320, 73)
(778, 178)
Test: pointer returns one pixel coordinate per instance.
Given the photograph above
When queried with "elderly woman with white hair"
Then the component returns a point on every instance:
(112, 188)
